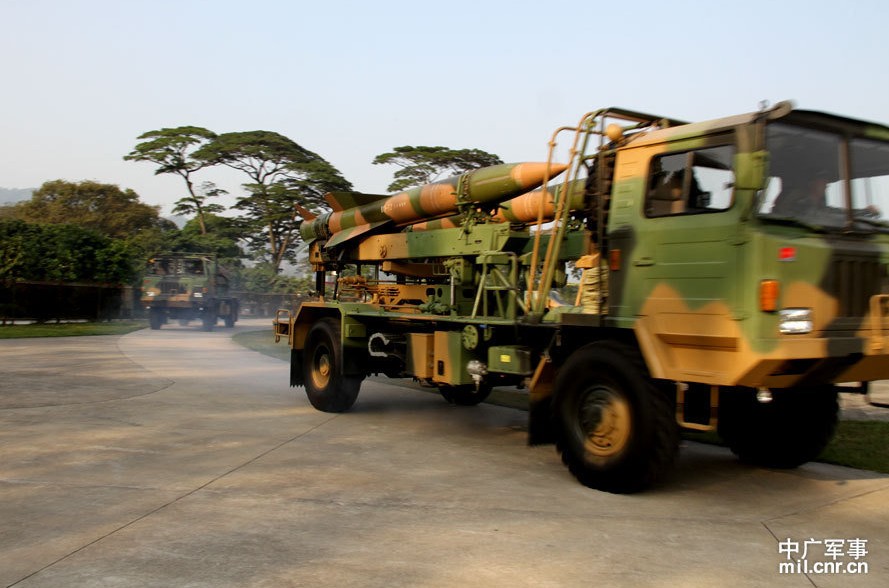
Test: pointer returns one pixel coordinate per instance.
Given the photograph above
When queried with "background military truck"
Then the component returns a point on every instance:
(187, 287)
(734, 274)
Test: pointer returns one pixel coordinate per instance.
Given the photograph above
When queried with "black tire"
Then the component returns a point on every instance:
(792, 429)
(229, 320)
(615, 429)
(326, 386)
(155, 319)
(208, 321)
(466, 395)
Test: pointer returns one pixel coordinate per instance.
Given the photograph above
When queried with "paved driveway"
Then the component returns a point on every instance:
(176, 458)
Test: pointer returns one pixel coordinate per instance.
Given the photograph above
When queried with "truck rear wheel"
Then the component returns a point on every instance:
(229, 312)
(326, 386)
(615, 429)
(155, 319)
(790, 430)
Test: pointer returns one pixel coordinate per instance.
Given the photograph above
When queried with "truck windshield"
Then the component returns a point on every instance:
(809, 183)
(175, 267)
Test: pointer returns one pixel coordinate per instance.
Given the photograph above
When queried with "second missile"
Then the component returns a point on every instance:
(356, 214)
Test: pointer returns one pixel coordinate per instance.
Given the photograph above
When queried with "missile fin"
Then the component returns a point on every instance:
(307, 214)
(340, 201)
(349, 234)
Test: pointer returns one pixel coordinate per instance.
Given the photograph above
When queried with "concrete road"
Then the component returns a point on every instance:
(176, 458)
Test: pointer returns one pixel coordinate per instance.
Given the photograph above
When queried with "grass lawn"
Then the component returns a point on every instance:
(264, 342)
(70, 329)
(860, 444)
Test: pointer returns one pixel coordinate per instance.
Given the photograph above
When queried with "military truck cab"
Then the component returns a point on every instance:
(727, 273)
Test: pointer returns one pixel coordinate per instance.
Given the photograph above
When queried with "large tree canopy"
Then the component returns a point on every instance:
(63, 253)
(104, 208)
(282, 174)
(423, 165)
(173, 151)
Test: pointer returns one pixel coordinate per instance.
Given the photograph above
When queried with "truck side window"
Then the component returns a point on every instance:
(691, 182)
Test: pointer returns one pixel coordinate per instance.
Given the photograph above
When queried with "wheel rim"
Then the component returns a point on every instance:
(604, 422)
(321, 364)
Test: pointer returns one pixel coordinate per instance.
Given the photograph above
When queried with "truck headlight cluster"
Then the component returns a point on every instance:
(795, 321)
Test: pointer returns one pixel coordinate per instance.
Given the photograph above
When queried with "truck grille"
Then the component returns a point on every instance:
(853, 280)
(171, 287)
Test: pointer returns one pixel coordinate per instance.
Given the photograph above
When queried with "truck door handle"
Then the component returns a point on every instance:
(643, 261)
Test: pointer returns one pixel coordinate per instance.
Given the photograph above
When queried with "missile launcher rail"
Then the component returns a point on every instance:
(702, 302)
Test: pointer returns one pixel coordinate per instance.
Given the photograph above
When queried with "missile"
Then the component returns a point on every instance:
(525, 208)
(356, 214)
(521, 209)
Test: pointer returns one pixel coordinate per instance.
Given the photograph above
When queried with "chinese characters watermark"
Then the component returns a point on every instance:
(823, 556)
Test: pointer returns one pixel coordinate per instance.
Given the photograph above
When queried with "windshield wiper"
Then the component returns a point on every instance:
(873, 223)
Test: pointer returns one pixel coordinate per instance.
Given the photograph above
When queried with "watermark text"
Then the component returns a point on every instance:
(823, 556)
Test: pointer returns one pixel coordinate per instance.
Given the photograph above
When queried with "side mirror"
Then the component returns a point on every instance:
(751, 170)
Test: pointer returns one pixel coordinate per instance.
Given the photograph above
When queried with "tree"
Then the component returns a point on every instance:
(197, 206)
(15, 240)
(423, 165)
(161, 237)
(62, 253)
(221, 238)
(266, 279)
(282, 174)
(173, 150)
(104, 208)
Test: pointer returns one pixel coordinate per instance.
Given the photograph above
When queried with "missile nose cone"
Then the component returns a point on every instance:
(499, 182)
(532, 174)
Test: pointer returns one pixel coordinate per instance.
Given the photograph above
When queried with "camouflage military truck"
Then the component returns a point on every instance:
(734, 274)
(187, 287)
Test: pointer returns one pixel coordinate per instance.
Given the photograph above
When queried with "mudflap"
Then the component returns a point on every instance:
(296, 367)
(540, 422)
(541, 429)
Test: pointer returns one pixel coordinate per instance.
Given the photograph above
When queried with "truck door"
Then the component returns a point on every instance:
(685, 261)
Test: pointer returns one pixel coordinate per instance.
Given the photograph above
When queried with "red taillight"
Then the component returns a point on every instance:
(787, 254)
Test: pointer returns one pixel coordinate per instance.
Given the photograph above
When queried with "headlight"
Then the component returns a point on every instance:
(150, 293)
(795, 321)
(197, 294)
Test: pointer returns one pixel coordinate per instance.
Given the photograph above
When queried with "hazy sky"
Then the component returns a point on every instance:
(82, 79)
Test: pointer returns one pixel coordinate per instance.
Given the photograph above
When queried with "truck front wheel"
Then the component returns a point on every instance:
(208, 320)
(328, 389)
(615, 429)
(155, 319)
(792, 427)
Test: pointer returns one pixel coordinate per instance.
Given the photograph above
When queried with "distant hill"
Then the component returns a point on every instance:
(13, 195)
